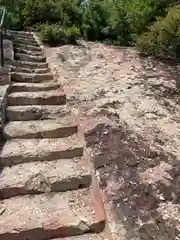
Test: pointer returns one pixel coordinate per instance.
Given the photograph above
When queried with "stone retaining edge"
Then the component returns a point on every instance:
(5, 81)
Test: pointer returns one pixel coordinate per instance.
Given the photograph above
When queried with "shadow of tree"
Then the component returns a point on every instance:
(162, 79)
(140, 180)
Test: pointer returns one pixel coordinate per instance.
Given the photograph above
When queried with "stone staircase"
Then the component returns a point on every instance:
(46, 187)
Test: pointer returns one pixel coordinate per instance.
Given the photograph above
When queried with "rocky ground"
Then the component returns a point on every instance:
(140, 176)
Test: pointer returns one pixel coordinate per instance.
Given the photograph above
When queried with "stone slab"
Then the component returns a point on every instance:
(24, 51)
(18, 41)
(27, 47)
(99, 236)
(18, 151)
(47, 216)
(31, 65)
(35, 112)
(29, 70)
(37, 98)
(33, 87)
(31, 77)
(29, 58)
(57, 128)
(40, 177)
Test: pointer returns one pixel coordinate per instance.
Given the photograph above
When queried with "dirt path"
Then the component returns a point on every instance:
(141, 184)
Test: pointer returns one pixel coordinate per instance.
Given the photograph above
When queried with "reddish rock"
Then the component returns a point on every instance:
(49, 216)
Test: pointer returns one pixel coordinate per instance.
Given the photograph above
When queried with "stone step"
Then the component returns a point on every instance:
(19, 33)
(24, 51)
(33, 87)
(17, 41)
(50, 215)
(55, 128)
(30, 65)
(28, 70)
(94, 236)
(42, 177)
(37, 98)
(27, 40)
(36, 112)
(27, 47)
(23, 35)
(31, 77)
(18, 151)
(29, 58)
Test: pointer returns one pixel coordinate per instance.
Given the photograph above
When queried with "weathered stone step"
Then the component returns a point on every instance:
(24, 51)
(26, 40)
(37, 98)
(31, 65)
(36, 112)
(27, 47)
(18, 151)
(19, 33)
(94, 236)
(29, 58)
(55, 128)
(29, 70)
(17, 41)
(41, 177)
(51, 215)
(33, 87)
(31, 77)
(23, 36)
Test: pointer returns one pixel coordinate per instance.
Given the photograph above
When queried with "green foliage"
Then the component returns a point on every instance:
(163, 36)
(125, 22)
(28, 13)
(118, 23)
(121, 20)
(71, 34)
(14, 17)
(55, 34)
(47, 11)
(95, 20)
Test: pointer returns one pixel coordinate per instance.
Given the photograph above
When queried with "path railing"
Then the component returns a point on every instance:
(2, 34)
